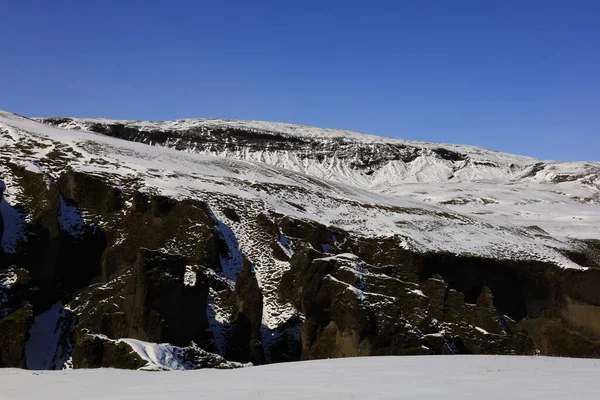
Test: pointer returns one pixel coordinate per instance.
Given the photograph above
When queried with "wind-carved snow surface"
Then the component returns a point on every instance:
(415, 377)
(416, 213)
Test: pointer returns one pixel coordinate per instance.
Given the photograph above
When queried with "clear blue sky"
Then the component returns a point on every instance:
(518, 76)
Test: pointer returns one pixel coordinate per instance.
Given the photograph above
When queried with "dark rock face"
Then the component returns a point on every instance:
(245, 339)
(157, 298)
(15, 333)
(52, 256)
(157, 269)
(356, 309)
(544, 299)
(127, 289)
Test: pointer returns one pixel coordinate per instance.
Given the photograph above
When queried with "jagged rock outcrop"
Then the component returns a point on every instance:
(95, 352)
(356, 309)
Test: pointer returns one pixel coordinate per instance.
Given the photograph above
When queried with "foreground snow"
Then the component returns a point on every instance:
(429, 377)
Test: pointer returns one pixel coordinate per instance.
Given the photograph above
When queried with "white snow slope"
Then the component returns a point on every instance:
(506, 231)
(423, 378)
(561, 198)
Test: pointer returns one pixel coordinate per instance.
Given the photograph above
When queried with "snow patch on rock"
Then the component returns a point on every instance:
(69, 218)
(49, 344)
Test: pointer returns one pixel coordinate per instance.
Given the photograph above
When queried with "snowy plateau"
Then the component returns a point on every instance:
(219, 244)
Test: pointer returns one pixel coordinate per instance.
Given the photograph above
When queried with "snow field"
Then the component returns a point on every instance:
(416, 377)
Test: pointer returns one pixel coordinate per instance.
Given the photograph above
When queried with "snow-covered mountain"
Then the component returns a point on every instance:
(189, 243)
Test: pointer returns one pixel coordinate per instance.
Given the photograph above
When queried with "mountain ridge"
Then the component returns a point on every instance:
(292, 130)
(382, 170)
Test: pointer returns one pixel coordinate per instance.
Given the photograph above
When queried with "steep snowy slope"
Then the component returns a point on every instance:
(423, 378)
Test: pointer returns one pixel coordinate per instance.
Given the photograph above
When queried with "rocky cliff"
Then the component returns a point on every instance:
(236, 242)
